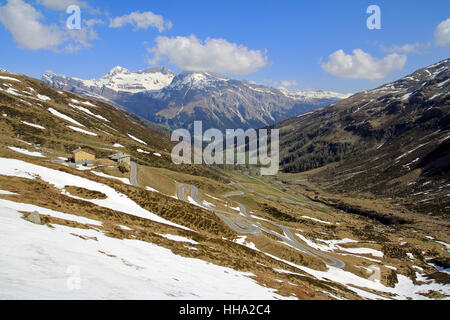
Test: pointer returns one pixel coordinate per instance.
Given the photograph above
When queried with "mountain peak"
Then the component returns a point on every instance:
(117, 70)
(200, 75)
(197, 80)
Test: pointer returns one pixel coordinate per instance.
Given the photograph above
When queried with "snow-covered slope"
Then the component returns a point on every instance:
(122, 80)
(59, 263)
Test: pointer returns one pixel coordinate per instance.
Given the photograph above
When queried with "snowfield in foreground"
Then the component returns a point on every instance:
(37, 262)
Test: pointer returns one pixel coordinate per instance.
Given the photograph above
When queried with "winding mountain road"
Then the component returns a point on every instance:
(241, 224)
(182, 188)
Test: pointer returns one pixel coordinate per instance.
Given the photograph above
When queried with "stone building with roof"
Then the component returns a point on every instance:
(121, 158)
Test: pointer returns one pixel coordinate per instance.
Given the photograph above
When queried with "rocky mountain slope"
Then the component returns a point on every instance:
(394, 140)
(176, 101)
(58, 119)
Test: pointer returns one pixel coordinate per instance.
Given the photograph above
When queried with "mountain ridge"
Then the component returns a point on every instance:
(177, 100)
(390, 141)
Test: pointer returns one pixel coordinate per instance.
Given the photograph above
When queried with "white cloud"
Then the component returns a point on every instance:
(406, 48)
(214, 55)
(362, 65)
(442, 33)
(142, 20)
(22, 20)
(62, 4)
(24, 23)
(283, 84)
(289, 83)
(92, 22)
(80, 39)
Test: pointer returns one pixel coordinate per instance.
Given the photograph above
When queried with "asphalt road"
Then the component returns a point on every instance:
(133, 174)
(243, 225)
(182, 188)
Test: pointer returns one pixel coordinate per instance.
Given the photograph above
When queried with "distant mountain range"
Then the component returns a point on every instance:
(393, 141)
(160, 96)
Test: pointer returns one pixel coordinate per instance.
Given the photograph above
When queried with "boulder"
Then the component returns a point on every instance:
(34, 217)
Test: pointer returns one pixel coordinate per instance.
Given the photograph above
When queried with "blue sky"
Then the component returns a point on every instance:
(269, 42)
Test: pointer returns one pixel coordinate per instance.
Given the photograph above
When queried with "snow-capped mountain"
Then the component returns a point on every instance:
(198, 80)
(176, 101)
(120, 79)
(314, 95)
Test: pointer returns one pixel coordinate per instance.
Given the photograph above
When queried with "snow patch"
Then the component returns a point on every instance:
(136, 139)
(87, 111)
(8, 193)
(178, 238)
(33, 125)
(83, 131)
(317, 220)
(151, 189)
(142, 151)
(9, 78)
(26, 152)
(64, 117)
(87, 103)
(104, 175)
(43, 98)
(443, 83)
